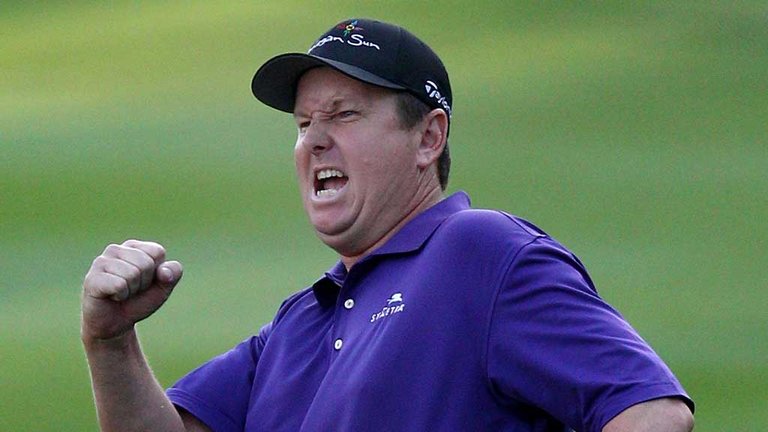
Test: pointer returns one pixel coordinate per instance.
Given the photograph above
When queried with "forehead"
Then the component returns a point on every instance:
(324, 88)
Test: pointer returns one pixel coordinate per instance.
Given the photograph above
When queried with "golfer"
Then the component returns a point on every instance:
(436, 317)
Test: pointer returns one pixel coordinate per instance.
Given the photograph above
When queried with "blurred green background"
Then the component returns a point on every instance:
(634, 132)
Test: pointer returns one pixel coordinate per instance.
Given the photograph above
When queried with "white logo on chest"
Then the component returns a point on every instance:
(394, 305)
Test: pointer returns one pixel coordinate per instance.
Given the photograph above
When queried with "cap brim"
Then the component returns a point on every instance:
(276, 80)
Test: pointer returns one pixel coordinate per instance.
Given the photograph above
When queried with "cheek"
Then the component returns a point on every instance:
(394, 153)
(374, 165)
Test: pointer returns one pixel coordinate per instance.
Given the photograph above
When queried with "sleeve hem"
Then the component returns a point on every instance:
(610, 409)
(212, 418)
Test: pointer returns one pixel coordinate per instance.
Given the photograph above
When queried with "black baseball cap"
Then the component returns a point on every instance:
(371, 51)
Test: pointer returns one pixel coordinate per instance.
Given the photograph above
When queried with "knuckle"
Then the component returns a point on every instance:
(101, 261)
(133, 273)
(115, 285)
(145, 261)
(103, 285)
(160, 252)
(88, 282)
(112, 249)
(148, 272)
(154, 250)
(120, 285)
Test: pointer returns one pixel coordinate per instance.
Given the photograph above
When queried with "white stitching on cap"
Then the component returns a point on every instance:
(356, 41)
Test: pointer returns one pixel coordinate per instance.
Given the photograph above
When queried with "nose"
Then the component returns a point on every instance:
(316, 138)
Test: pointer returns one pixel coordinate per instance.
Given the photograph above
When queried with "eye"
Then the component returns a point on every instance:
(303, 125)
(343, 115)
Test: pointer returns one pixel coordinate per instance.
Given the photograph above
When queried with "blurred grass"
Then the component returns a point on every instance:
(634, 133)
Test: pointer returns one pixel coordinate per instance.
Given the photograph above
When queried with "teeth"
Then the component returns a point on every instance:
(324, 175)
(328, 173)
(326, 193)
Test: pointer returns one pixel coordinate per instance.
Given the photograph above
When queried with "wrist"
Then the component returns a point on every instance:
(119, 342)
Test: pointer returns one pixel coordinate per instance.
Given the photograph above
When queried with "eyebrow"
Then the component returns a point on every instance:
(327, 108)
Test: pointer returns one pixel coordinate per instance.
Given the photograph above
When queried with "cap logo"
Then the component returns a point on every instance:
(434, 93)
(349, 37)
(349, 28)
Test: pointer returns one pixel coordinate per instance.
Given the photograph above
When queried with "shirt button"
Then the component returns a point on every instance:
(337, 345)
(349, 304)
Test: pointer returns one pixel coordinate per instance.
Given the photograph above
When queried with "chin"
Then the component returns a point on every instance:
(335, 242)
(328, 232)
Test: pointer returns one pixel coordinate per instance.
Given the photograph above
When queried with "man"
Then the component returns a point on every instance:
(436, 317)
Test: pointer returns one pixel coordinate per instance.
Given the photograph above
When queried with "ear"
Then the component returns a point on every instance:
(433, 138)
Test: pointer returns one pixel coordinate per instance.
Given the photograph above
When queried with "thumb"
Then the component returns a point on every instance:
(169, 273)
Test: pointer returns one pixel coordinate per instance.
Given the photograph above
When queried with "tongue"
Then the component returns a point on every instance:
(335, 183)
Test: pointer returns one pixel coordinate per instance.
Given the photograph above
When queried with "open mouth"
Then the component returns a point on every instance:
(328, 182)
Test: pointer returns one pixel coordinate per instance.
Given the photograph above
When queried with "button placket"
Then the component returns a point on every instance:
(342, 317)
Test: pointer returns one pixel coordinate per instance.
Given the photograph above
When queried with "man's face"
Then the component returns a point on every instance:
(356, 164)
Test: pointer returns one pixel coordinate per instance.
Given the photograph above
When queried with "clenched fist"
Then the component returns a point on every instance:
(125, 284)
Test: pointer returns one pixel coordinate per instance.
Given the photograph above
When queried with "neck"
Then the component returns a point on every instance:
(432, 197)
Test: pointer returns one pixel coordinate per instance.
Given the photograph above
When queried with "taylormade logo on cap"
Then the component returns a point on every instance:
(434, 93)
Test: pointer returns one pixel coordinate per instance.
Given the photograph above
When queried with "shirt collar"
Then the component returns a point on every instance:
(327, 288)
(410, 238)
(416, 232)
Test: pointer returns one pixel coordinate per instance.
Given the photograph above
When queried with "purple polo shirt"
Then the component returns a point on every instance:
(466, 320)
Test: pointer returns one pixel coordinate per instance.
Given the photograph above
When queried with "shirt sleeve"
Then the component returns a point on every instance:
(556, 345)
(218, 392)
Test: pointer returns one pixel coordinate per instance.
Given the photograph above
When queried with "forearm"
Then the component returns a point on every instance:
(127, 395)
